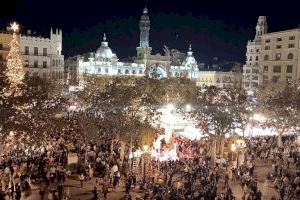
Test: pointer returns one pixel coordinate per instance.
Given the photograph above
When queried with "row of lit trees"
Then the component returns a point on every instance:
(280, 105)
(219, 112)
(126, 104)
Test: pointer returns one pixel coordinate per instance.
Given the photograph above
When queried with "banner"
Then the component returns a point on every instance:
(72, 158)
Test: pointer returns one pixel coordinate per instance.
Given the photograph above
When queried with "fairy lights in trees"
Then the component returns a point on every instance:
(14, 71)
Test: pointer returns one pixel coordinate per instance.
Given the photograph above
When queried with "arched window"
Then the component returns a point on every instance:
(266, 57)
(290, 56)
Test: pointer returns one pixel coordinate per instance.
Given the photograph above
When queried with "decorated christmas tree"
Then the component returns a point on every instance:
(14, 71)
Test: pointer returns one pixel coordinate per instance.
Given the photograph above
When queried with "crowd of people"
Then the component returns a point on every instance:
(45, 162)
(25, 160)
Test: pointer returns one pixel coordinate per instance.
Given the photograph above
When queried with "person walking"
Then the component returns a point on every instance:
(95, 193)
(127, 186)
(81, 179)
(105, 190)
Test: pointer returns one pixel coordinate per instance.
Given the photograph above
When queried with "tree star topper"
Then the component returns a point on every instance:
(14, 26)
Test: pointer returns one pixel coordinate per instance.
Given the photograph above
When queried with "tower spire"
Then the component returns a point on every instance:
(144, 29)
(261, 27)
(104, 37)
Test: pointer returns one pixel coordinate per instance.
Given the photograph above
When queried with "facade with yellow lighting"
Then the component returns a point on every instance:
(5, 38)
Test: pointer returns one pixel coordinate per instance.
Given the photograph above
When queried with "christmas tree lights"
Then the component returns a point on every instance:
(14, 71)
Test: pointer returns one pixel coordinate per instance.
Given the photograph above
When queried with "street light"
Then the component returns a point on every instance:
(170, 107)
(259, 117)
(188, 108)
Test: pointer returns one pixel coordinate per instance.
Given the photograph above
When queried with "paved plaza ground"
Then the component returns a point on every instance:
(75, 192)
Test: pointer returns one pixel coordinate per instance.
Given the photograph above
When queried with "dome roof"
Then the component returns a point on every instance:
(190, 59)
(104, 52)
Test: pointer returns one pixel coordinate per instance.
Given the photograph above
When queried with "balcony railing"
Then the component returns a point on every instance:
(37, 67)
(40, 54)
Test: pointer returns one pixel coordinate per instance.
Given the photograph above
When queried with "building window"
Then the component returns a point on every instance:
(265, 78)
(36, 51)
(250, 59)
(126, 71)
(266, 57)
(257, 50)
(275, 78)
(289, 69)
(291, 45)
(248, 71)
(279, 39)
(256, 58)
(133, 71)
(267, 47)
(99, 70)
(254, 84)
(1, 46)
(278, 47)
(254, 71)
(35, 64)
(106, 71)
(292, 37)
(268, 41)
(1, 57)
(44, 51)
(266, 69)
(26, 50)
(276, 69)
(277, 56)
(119, 71)
(141, 71)
(45, 64)
(255, 78)
(290, 56)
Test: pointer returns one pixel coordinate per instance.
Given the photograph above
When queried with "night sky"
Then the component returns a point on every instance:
(215, 28)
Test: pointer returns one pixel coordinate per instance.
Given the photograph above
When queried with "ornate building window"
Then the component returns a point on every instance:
(292, 37)
(266, 57)
(276, 69)
(289, 69)
(290, 56)
(36, 51)
(277, 56)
